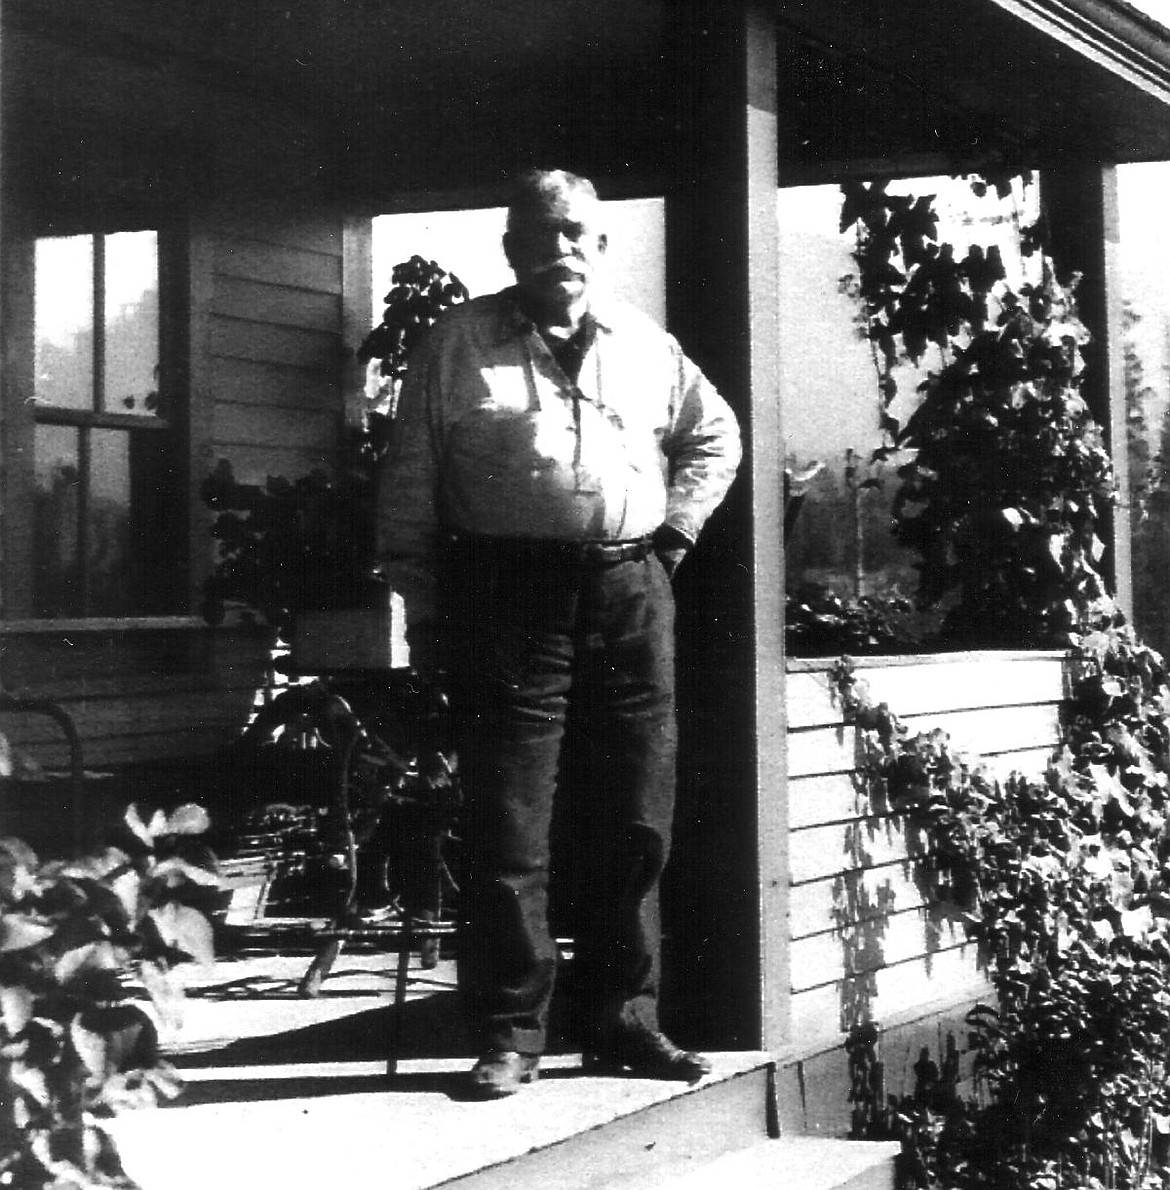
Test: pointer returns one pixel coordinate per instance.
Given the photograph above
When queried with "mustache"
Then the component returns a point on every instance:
(574, 264)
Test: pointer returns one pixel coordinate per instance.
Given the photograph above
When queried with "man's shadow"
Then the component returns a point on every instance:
(434, 1051)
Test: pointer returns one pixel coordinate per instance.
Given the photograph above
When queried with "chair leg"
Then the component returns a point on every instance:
(310, 986)
(340, 727)
(432, 908)
(401, 978)
(428, 947)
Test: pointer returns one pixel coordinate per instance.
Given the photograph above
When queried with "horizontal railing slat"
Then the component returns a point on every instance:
(823, 1013)
(984, 732)
(934, 685)
(870, 946)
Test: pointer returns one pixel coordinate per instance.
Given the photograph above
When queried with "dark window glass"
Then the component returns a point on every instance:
(57, 522)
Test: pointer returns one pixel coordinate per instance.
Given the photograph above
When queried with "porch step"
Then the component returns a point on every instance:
(644, 1134)
(792, 1163)
(311, 1125)
(281, 1091)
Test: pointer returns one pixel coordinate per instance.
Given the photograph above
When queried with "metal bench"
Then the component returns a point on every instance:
(82, 832)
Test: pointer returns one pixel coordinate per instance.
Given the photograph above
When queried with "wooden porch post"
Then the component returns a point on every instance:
(1080, 203)
(722, 302)
(4, 315)
(17, 356)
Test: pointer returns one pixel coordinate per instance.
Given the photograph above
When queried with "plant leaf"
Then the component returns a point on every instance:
(165, 991)
(137, 827)
(189, 819)
(18, 931)
(185, 929)
(17, 1004)
(89, 959)
(174, 871)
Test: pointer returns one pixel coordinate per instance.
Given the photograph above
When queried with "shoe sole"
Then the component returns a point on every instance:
(598, 1064)
(486, 1091)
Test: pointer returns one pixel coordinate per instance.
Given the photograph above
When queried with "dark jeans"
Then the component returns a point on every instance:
(538, 642)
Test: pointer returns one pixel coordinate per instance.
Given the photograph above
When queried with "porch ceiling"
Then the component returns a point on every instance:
(881, 85)
(383, 97)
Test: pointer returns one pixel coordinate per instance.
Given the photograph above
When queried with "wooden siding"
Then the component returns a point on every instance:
(865, 943)
(273, 355)
(136, 692)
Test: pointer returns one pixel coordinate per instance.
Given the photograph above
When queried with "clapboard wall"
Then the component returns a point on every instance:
(864, 945)
(280, 302)
(138, 692)
(276, 303)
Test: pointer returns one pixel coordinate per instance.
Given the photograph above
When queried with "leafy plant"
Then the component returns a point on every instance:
(75, 1046)
(420, 291)
(818, 622)
(292, 546)
(289, 546)
(1008, 481)
(1065, 884)
(1064, 881)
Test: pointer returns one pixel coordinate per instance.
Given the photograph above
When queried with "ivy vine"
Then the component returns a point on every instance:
(1064, 883)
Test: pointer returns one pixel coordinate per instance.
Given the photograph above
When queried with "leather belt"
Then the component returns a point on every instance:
(553, 553)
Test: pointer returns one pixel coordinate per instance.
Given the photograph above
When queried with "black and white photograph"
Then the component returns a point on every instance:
(585, 594)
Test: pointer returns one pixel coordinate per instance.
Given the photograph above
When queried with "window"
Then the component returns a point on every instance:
(104, 540)
(838, 539)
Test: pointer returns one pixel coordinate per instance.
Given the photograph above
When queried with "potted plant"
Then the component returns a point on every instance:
(300, 553)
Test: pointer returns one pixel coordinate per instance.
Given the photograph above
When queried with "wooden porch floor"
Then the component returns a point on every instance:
(283, 1091)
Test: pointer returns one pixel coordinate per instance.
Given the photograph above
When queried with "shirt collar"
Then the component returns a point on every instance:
(514, 322)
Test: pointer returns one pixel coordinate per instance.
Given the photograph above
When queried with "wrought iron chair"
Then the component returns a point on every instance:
(81, 828)
(377, 749)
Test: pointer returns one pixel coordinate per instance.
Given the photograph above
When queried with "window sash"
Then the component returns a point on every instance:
(154, 529)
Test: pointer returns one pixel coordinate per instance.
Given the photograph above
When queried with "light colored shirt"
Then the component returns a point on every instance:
(491, 437)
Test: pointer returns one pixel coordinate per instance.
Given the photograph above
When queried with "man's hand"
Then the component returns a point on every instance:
(670, 545)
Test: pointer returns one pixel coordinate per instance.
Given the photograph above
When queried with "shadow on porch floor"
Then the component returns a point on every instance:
(292, 1093)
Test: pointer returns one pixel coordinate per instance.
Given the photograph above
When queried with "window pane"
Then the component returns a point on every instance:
(132, 560)
(64, 322)
(131, 323)
(56, 575)
(111, 587)
(840, 541)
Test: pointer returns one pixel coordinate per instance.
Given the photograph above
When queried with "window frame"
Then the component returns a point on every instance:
(20, 416)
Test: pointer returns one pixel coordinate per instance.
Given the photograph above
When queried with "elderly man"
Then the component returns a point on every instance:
(556, 455)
